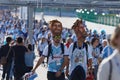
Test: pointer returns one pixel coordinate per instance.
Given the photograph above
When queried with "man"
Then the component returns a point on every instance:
(19, 60)
(6, 51)
(102, 36)
(56, 54)
(78, 52)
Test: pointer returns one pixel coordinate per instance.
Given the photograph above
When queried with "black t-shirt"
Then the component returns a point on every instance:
(19, 52)
(6, 51)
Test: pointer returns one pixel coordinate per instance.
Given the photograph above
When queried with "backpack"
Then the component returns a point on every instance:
(50, 50)
(84, 45)
(78, 73)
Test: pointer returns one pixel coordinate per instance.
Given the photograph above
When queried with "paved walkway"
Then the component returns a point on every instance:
(41, 71)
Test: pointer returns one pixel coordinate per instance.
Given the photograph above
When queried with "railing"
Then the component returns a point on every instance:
(106, 19)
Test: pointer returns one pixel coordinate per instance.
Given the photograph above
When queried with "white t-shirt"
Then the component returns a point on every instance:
(47, 34)
(40, 35)
(36, 31)
(41, 46)
(104, 68)
(78, 53)
(55, 63)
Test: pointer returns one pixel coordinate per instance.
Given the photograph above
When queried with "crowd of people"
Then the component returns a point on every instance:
(75, 53)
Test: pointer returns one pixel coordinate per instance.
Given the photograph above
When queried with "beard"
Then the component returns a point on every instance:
(57, 41)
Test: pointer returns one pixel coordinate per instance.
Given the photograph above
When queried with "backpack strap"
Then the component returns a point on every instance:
(74, 46)
(110, 70)
(62, 48)
(8, 52)
(86, 48)
(49, 51)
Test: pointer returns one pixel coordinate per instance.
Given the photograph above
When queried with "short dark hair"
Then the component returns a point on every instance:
(30, 47)
(53, 22)
(93, 40)
(8, 39)
(77, 22)
(19, 40)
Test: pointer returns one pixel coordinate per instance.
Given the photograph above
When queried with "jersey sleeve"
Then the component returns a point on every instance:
(70, 50)
(66, 51)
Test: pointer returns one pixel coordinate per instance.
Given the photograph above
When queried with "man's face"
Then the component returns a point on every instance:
(80, 31)
(56, 28)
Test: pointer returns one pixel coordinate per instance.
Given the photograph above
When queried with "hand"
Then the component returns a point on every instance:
(77, 60)
(33, 71)
(67, 73)
(58, 74)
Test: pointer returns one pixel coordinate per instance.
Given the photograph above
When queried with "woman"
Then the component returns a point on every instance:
(110, 67)
(107, 50)
(29, 58)
(95, 51)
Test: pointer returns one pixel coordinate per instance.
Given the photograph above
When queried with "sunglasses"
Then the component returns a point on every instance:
(56, 37)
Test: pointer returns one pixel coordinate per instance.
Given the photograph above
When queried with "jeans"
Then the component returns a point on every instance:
(51, 76)
(12, 69)
(6, 71)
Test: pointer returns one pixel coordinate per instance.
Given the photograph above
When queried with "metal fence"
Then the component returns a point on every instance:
(101, 18)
